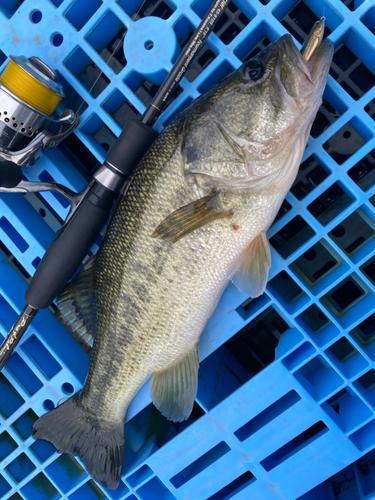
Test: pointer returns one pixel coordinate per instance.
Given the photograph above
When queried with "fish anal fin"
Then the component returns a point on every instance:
(173, 391)
(252, 268)
(190, 217)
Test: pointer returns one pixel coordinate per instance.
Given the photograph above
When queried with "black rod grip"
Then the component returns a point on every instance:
(131, 146)
(67, 250)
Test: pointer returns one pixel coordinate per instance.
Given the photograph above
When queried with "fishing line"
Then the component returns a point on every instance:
(113, 53)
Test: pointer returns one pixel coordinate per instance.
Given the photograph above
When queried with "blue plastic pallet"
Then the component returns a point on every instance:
(301, 426)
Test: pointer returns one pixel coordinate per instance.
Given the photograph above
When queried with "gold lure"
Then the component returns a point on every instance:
(313, 40)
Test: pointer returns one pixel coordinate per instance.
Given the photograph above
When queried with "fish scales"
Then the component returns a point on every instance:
(180, 273)
(194, 216)
(178, 280)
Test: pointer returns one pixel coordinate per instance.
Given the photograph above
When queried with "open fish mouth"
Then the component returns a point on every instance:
(287, 47)
(318, 62)
(298, 77)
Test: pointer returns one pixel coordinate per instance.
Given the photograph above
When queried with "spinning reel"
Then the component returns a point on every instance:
(29, 94)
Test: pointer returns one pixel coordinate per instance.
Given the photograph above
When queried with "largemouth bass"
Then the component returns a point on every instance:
(194, 217)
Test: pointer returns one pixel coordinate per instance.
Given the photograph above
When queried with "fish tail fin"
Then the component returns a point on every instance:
(100, 446)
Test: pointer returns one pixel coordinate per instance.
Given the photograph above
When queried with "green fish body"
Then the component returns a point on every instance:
(194, 217)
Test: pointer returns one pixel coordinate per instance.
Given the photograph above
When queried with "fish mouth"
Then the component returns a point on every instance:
(286, 47)
(298, 77)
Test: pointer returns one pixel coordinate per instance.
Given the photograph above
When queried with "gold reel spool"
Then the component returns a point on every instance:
(31, 89)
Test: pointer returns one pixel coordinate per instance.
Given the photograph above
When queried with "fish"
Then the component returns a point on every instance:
(194, 217)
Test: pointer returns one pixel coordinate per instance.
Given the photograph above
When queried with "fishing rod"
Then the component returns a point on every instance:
(91, 207)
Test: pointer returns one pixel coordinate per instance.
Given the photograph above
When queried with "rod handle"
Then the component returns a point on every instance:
(69, 247)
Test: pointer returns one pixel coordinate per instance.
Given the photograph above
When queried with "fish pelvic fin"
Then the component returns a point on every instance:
(251, 270)
(190, 217)
(75, 304)
(173, 391)
(72, 429)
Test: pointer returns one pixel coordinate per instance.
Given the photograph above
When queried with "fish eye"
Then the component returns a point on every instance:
(254, 70)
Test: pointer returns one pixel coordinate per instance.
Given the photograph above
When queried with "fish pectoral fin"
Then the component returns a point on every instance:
(173, 391)
(74, 305)
(252, 268)
(190, 217)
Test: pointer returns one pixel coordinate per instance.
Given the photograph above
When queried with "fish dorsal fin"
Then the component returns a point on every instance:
(75, 305)
(173, 391)
(236, 148)
(190, 217)
(252, 268)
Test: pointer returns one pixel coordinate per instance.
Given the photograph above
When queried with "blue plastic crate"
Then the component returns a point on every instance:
(301, 425)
